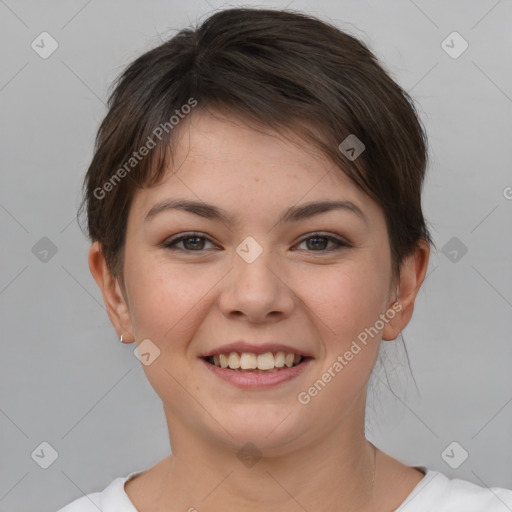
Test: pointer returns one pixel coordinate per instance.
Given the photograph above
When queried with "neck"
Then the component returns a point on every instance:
(333, 474)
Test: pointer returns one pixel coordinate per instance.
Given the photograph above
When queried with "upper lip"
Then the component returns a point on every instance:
(255, 348)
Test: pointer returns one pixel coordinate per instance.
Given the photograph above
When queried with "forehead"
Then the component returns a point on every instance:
(221, 159)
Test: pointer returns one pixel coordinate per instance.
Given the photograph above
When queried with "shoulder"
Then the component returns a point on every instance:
(89, 503)
(111, 499)
(442, 494)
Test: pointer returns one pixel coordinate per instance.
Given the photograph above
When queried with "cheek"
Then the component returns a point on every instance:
(167, 305)
(346, 299)
(346, 303)
(165, 300)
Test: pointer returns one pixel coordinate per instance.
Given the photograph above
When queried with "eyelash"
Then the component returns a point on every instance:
(171, 244)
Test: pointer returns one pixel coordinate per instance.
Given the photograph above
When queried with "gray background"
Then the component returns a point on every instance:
(65, 378)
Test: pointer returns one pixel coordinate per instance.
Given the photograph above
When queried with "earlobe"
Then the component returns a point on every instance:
(392, 327)
(412, 275)
(113, 298)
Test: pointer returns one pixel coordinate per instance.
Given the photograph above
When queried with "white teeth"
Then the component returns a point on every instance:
(234, 361)
(249, 361)
(266, 361)
(279, 359)
(223, 360)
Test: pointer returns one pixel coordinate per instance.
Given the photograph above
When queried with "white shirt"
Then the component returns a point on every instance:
(434, 493)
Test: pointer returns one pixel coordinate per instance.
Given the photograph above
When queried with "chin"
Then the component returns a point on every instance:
(268, 432)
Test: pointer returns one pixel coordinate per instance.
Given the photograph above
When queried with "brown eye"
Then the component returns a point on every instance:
(192, 242)
(319, 242)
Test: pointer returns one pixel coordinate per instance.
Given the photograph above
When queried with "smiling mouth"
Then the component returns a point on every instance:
(247, 362)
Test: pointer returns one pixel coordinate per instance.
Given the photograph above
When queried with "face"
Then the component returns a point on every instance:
(310, 282)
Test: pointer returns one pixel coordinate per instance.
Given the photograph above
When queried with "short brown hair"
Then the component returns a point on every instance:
(280, 69)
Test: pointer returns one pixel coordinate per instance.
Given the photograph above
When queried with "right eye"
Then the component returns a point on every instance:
(192, 242)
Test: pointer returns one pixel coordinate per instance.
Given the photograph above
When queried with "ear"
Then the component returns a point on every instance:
(113, 297)
(412, 274)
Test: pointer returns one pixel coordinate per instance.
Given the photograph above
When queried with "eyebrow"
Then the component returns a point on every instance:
(292, 214)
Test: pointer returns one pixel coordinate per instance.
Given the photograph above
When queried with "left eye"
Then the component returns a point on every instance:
(324, 240)
(194, 242)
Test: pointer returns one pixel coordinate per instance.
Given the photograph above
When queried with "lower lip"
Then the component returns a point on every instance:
(257, 380)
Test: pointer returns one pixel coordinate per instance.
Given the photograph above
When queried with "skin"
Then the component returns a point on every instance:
(296, 292)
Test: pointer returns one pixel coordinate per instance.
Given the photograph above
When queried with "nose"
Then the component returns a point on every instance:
(257, 291)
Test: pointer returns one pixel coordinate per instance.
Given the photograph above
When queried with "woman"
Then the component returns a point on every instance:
(254, 207)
